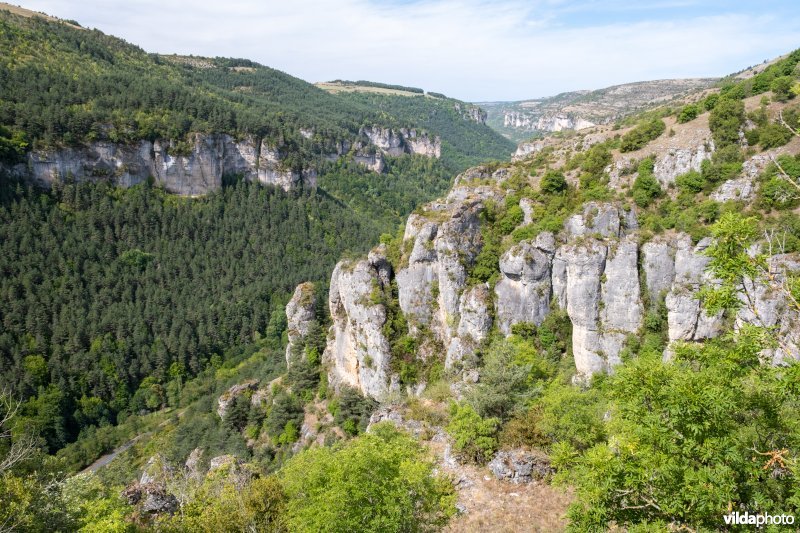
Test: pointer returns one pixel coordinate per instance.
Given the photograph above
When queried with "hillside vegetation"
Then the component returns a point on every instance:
(604, 330)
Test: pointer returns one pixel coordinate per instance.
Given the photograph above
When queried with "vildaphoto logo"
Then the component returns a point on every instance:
(758, 520)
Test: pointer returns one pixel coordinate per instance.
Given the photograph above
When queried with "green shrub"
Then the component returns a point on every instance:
(691, 182)
(380, 481)
(782, 88)
(688, 113)
(642, 134)
(553, 182)
(725, 121)
(646, 187)
(691, 439)
(474, 438)
(710, 101)
(773, 135)
(353, 411)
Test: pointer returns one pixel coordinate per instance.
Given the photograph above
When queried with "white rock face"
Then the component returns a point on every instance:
(358, 353)
(585, 264)
(770, 308)
(737, 189)
(524, 291)
(557, 122)
(680, 161)
(591, 270)
(403, 141)
(300, 314)
(687, 320)
(198, 172)
(658, 263)
(473, 327)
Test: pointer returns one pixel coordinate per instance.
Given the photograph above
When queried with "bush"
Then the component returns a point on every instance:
(711, 101)
(782, 88)
(691, 182)
(380, 481)
(553, 182)
(642, 134)
(691, 439)
(508, 378)
(725, 121)
(688, 113)
(353, 411)
(773, 135)
(474, 438)
(646, 187)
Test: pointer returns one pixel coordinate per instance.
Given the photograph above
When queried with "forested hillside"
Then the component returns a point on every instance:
(600, 334)
(103, 288)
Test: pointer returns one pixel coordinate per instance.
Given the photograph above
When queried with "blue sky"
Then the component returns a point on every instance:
(476, 50)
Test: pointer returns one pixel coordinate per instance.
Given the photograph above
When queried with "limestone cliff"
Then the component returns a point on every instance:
(200, 167)
(600, 270)
(188, 173)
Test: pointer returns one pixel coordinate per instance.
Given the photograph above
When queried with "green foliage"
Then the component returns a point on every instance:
(510, 378)
(691, 182)
(691, 439)
(711, 101)
(571, 416)
(111, 288)
(688, 113)
(773, 135)
(13, 146)
(782, 88)
(730, 261)
(725, 121)
(219, 503)
(553, 182)
(474, 438)
(645, 188)
(285, 408)
(642, 134)
(596, 159)
(380, 481)
(776, 191)
(353, 410)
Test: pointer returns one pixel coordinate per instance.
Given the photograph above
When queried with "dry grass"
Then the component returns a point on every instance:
(498, 506)
(22, 12)
(347, 88)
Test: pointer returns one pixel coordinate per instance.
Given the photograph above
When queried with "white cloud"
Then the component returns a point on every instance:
(471, 49)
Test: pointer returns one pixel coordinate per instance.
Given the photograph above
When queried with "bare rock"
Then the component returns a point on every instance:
(227, 398)
(300, 315)
(520, 466)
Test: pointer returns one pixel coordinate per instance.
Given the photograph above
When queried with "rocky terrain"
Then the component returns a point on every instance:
(201, 168)
(579, 110)
(599, 269)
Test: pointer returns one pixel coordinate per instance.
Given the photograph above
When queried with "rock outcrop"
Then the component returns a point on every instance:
(196, 171)
(150, 498)
(227, 398)
(549, 123)
(679, 161)
(403, 141)
(520, 466)
(358, 353)
(470, 112)
(595, 270)
(300, 315)
(199, 166)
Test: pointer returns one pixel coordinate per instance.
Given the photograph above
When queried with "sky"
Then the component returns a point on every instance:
(474, 50)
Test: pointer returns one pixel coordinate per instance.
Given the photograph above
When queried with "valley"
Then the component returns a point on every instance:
(232, 300)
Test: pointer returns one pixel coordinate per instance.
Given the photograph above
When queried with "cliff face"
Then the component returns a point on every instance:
(197, 172)
(210, 157)
(403, 141)
(596, 269)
